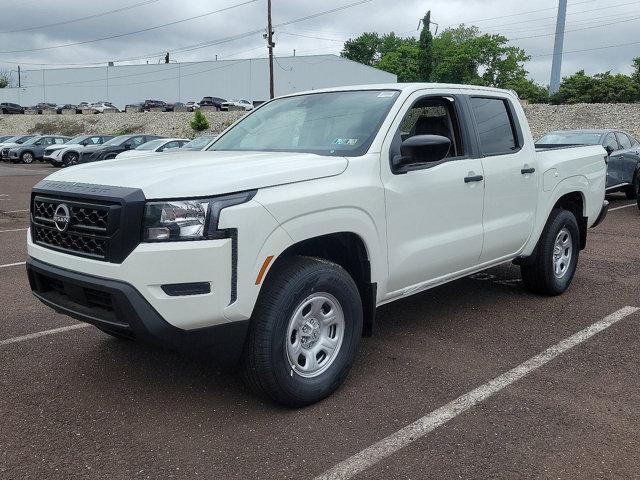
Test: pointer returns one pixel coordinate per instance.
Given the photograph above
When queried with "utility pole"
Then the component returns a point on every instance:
(270, 46)
(166, 58)
(19, 85)
(556, 67)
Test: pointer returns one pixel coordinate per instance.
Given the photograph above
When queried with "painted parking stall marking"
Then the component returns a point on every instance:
(32, 336)
(14, 230)
(623, 206)
(389, 445)
(13, 264)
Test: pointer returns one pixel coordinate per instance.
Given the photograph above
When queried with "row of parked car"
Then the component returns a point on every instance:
(62, 151)
(220, 104)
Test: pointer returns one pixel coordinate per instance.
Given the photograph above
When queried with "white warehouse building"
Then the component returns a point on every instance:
(182, 82)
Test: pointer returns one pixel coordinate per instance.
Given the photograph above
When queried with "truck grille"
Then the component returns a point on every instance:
(89, 230)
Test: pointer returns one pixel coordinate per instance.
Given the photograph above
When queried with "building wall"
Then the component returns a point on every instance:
(247, 78)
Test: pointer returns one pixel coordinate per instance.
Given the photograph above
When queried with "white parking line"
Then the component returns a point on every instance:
(13, 264)
(14, 230)
(53, 331)
(14, 211)
(624, 206)
(409, 434)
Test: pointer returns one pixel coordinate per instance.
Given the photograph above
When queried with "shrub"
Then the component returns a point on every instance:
(57, 127)
(128, 130)
(199, 122)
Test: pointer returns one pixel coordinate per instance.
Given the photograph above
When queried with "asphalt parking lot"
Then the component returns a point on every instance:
(76, 403)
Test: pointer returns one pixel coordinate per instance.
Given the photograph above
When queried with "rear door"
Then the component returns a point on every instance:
(615, 165)
(511, 177)
(630, 157)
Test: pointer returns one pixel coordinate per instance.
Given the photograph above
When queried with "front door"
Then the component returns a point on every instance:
(434, 211)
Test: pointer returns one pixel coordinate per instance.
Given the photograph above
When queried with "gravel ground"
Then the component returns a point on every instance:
(542, 118)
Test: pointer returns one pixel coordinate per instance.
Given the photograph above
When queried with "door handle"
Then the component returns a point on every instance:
(526, 171)
(475, 178)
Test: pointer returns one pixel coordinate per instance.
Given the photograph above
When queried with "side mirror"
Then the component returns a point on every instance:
(422, 149)
(609, 149)
(127, 146)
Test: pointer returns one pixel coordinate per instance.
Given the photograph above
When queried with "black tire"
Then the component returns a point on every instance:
(631, 192)
(538, 275)
(636, 187)
(70, 159)
(266, 367)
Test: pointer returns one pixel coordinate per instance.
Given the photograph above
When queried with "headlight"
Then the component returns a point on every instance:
(196, 219)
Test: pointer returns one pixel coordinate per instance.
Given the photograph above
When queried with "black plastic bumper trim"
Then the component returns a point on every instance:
(133, 315)
(186, 289)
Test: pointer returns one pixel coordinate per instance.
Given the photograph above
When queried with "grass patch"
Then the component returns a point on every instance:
(57, 127)
(128, 130)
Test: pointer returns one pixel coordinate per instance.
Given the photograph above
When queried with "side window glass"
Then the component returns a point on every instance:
(432, 116)
(610, 142)
(60, 141)
(137, 141)
(170, 145)
(496, 131)
(625, 143)
(95, 140)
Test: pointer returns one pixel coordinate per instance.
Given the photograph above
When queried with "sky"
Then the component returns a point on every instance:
(232, 29)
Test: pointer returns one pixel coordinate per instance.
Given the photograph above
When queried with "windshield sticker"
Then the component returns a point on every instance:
(386, 94)
(345, 141)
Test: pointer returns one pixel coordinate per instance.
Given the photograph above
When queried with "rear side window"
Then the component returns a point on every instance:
(496, 131)
(625, 143)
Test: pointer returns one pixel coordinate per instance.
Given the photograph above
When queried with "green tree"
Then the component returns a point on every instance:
(529, 90)
(614, 89)
(576, 88)
(199, 122)
(426, 49)
(636, 71)
(6, 80)
(403, 62)
(364, 49)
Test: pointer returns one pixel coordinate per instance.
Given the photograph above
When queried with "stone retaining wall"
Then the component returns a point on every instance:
(542, 118)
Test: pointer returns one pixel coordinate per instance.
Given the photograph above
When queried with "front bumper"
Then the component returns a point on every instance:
(119, 307)
(603, 213)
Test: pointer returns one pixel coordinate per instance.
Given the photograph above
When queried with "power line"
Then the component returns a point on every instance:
(577, 29)
(79, 19)
(514, 14)
(204, 44)
(110, 37)
(588, 49)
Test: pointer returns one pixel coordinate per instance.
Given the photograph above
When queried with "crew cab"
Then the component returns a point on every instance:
(275, 246)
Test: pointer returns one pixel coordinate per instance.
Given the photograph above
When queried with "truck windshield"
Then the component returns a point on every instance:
(570, 138)
(333, 123)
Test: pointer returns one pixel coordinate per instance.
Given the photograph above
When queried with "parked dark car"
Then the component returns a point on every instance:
(45, 106)
(149, 104)
(623, 170)
(10, 108)
(33, 149)
(113, 147)
(10, 143)
(212, 102)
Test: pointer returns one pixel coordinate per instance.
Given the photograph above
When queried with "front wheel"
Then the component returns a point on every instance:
(70, 159)
(305, 332)
(551, 270)
(27, 157)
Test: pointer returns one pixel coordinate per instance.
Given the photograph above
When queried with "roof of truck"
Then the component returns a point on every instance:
(408, 87)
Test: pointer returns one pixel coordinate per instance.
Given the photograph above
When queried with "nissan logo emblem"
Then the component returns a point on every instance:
(62, 217)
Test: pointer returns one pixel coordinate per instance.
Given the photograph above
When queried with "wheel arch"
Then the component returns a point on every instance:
(347, 249)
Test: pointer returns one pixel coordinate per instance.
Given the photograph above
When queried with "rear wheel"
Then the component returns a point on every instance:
(305, 332)
(636, 187)
(551, 270)
(632, 191)
(27, 157)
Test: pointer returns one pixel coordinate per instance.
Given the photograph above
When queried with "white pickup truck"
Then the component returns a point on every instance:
(276, 245)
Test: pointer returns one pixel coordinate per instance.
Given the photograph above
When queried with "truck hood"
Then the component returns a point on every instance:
(196, 174)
